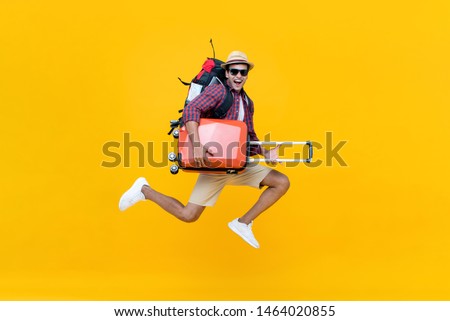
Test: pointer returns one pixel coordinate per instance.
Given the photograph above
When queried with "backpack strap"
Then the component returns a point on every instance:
(222, 110)
(183, 82)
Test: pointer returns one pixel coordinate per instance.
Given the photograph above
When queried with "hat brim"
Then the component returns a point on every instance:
(238, 62)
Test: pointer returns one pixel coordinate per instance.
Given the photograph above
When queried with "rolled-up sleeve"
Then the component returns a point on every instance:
(204, 104)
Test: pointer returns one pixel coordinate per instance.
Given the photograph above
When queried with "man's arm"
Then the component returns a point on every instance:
(199, 107)
(271, 154)
(200, 157)
(254, 150)
(202, 105)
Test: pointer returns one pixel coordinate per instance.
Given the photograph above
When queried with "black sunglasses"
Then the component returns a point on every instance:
(234, 72)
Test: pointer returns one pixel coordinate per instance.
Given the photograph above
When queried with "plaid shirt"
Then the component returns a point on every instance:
(203, 106)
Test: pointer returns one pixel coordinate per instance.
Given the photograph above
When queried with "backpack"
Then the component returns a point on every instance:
(211, 73)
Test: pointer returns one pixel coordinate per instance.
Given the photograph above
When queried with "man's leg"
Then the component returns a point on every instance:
(141, 190)
(277, 185)
(189, 213)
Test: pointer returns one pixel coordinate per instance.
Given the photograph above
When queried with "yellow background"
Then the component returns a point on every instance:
(75, 75)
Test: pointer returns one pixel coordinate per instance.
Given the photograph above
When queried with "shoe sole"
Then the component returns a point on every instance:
(231, 226)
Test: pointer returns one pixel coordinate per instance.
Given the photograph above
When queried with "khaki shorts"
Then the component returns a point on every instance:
(208, 186)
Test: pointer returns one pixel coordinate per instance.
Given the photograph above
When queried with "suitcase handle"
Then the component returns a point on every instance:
(285, 160)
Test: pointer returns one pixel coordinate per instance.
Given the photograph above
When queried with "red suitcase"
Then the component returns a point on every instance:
(226, 139)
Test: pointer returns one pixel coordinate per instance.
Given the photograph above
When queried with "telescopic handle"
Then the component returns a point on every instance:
(285, 160)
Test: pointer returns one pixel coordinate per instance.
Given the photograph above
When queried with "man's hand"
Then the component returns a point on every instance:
(201, 155)
(200, 152)
(271, 155)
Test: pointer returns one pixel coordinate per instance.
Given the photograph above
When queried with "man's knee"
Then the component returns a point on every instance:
(190, 218)
(191, 214)
(279, 181)
(283, 183)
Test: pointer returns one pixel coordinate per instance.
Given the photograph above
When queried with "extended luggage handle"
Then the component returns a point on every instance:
(283, 160)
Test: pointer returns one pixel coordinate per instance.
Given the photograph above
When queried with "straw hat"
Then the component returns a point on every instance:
(237, 57)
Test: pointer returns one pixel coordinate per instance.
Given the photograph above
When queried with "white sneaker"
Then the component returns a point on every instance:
(244, 231)
(133, 195)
